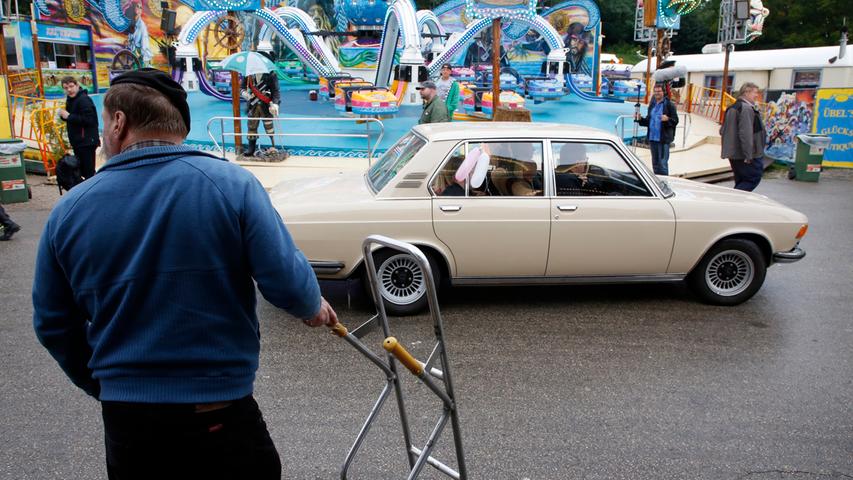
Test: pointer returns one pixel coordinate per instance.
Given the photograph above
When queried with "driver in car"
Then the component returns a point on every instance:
(572, 170)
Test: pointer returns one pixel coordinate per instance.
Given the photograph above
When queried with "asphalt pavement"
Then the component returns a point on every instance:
(604, 382)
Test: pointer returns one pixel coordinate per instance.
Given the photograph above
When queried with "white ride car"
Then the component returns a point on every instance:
(528, 203)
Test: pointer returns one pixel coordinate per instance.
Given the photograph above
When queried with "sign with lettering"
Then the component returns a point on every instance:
(834, 117)
(10, 161)
(54, 33)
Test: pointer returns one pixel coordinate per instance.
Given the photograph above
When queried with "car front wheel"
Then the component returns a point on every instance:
(402, 282)
(730, 273)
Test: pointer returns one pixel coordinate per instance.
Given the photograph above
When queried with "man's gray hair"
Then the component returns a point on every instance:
(147, 110)
(746, 87)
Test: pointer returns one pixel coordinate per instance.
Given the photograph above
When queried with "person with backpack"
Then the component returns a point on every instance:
(82, 119)
(743, 138)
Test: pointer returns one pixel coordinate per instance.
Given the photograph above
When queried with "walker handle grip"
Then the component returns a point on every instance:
(393, 346)
(339, 329)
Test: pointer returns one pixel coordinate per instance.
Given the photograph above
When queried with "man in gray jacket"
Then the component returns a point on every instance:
(743, 136)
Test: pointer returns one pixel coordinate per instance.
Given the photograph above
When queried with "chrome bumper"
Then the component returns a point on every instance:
(794, 255)
(326, 267)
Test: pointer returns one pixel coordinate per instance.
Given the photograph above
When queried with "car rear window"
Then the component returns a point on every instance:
(394, 160)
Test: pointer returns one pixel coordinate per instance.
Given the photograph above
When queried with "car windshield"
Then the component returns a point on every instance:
(394, 159)
(660, 181)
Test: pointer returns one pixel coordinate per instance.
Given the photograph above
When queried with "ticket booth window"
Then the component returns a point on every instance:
(64, 55)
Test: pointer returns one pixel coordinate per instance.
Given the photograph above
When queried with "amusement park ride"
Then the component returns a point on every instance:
(407, 46)
(412, 47)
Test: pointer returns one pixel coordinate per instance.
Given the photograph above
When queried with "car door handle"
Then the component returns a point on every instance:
(567, 208)
(450, 208)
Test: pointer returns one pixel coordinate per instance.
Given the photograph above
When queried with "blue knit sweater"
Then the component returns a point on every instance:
(144, 287)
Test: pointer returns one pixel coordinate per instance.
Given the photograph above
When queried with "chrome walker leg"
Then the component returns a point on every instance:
(437, 378)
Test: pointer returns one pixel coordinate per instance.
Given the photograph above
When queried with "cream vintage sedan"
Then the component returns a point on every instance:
(528, 203)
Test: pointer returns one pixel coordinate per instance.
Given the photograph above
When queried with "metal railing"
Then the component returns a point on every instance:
(50, 135)
(684, 124)
(708, 102)
(368, 135)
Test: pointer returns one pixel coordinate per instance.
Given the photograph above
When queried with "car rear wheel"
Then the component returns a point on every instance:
(730, 273)
(402, 282)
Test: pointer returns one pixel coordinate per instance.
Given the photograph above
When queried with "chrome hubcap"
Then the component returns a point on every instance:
(402, 280)
(729, 273)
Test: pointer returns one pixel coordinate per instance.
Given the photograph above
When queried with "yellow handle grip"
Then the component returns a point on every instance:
(393, 346)
(339, 329)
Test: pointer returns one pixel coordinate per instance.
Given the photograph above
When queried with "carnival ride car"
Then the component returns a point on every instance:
(479, 99)
(547, 203)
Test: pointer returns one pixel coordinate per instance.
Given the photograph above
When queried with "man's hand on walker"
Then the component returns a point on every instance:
(326, 316)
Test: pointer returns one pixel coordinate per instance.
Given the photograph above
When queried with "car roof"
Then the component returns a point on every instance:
(465, 130)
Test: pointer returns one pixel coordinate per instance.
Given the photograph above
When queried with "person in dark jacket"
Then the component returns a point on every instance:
(661, 120)
(9, 227)
(145, 293)
(743, 138)
(435, 111)
(82, 119)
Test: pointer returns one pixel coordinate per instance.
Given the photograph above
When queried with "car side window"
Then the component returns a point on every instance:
(594, 169)
(495, 169)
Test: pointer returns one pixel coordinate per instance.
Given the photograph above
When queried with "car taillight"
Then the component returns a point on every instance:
(802, 232)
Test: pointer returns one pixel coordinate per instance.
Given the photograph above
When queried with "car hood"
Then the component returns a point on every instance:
(309, 195)
(689, 190)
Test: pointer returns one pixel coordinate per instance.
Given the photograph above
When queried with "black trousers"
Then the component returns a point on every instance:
(747, 175)
(168, 441)
(86, 159)
(4, 218)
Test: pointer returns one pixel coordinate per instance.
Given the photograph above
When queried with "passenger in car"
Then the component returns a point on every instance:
(524, 172)
(522, 184)
(571, 172)
(446, 184)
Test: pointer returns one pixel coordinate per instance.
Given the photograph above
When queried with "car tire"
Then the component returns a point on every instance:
(730, 273)
(403, 283)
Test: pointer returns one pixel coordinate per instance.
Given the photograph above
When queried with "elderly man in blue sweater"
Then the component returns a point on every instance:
(144, 293)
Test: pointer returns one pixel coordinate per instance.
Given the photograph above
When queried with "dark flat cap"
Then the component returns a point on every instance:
(163, 83)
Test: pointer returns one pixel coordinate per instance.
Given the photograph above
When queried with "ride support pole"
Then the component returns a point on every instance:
(36, 52)
(725, 84)
(496, 65)
(235, 100)
(689, 98)
(648, 72)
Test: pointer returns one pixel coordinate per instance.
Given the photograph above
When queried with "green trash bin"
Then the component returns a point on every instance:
(808, 160)
(13, 176)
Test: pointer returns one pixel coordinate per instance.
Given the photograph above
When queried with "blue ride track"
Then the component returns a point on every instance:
(585, 96)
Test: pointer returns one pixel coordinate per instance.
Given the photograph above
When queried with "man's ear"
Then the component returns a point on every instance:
(120, 129)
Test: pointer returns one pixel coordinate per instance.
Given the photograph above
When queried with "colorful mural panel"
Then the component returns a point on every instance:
(577, 21)
(787, 114)
(834, 117)
(53, 80)
(141, 43)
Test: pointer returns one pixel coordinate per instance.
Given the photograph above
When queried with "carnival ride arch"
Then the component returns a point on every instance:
(304, 23)
(537, 23)
(202, 19)
(427, 19)
(401, 21)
